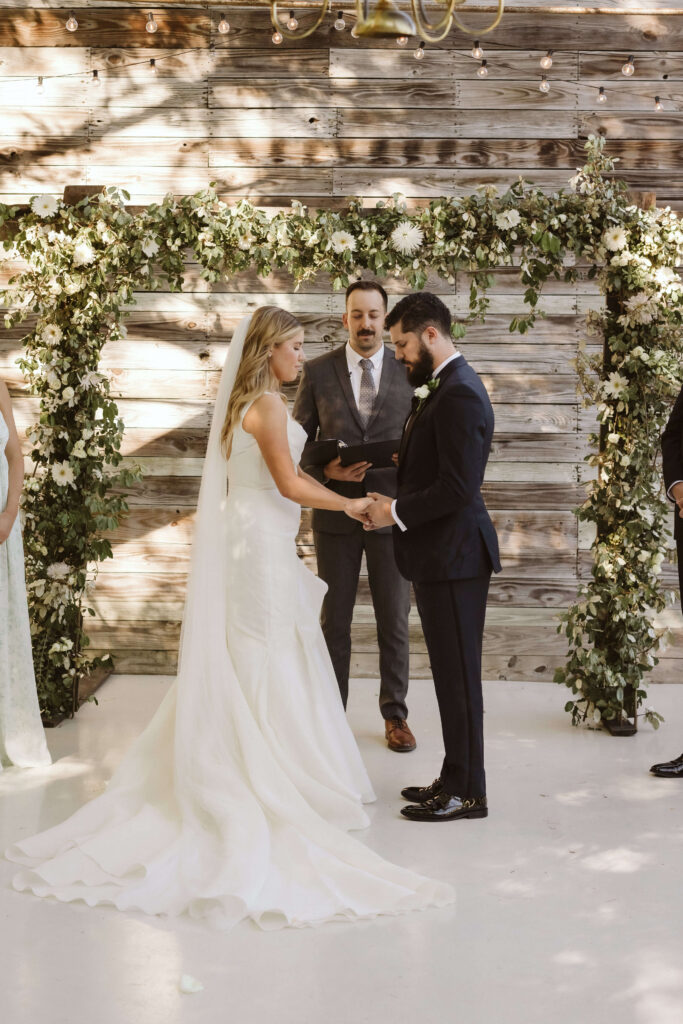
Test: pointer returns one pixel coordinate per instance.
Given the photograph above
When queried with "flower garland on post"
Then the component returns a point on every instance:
(84, 263)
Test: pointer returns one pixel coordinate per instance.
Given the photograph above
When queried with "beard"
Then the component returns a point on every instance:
(422, 369)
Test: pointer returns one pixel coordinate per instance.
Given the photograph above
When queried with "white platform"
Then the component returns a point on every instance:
(570, 907)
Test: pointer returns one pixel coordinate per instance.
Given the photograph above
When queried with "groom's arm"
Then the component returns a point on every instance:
(460, 430)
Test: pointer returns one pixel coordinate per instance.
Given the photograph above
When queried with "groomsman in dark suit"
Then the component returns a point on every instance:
(445, 542)
(358, 393)
(672, 459)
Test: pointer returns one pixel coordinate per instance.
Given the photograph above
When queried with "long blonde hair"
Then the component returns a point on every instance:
(270, 326)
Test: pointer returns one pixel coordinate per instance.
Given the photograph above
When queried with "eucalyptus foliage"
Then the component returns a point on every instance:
(82, 265)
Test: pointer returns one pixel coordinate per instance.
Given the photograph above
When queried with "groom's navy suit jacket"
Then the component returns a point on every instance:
(442, 459)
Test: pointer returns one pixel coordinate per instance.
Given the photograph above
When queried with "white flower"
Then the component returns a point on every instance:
(73, 284)
(53, 379)
(91, 379)
(422, 392)
(54, 287)
(78, 451)
(597, 716)
(189, 985)
(507, 219)
(614, 239)
(83, 254)
(407, 237)
(639, 353)
(45, 206)
(150, 246)
(641, 308)
(58, 570)
(68, 396)
(342, 241)
(62, 474)
(51, 334)
(614, 385)
(245, 240)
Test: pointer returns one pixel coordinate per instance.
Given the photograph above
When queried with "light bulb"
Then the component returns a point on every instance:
(292, 23)
(223, 25)
(96, 79)
(71, 24)
(340, 24)
(658, 104)
(420, 52)
(602, 95)
(401, 40)
(276, 37)
(153, 66)
(477, 51)
(547, 61)
(151, 25)
(629, 68)
(544, 84)
(40, 87)
(482, 70)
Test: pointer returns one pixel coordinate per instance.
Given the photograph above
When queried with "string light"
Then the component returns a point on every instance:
(96, 79)
(223, 25)
(547, 61)
(153, 66)
(340, 24)
(602, 95)
(544, 84)
(477, 51)
(629, 68)
(40, 87)
(151, 25)
(71, 24)
(420, 52)
(658, 104)
(292, 23)
(276, 37)
(482, 70)
(401, 40)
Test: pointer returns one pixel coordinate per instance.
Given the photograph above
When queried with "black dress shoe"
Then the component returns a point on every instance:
(420, 794)
(444, 807)
(669, 769)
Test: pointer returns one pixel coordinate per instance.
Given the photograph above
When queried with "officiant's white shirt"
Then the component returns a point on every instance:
(456, 355)
(356, 370)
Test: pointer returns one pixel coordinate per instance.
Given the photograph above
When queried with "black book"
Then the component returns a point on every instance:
(319, 453)
(379, 453)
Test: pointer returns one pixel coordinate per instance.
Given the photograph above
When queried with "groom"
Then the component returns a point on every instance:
(445, 542)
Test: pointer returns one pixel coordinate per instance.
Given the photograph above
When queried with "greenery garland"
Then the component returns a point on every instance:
(83, 263)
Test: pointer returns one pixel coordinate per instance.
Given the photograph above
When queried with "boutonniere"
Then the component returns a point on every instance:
(424, 391)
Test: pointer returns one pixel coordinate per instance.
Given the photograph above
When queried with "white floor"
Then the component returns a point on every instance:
(570, 906)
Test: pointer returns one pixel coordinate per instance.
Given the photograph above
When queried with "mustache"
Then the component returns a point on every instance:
(366, 334)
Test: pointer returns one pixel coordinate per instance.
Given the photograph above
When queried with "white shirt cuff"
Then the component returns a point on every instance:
(669, 494)
(398, 522)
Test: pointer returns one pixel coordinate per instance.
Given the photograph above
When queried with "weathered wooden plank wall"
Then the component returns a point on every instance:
(320, 120)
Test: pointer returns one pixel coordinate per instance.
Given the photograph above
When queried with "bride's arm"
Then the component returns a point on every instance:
(266, 420)
(15, 461)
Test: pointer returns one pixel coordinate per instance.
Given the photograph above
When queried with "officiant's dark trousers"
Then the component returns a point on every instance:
(339, 558)
(452, 613)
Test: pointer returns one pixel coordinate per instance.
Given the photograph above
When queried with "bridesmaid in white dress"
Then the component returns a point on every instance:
(22, 739)
(236, 800)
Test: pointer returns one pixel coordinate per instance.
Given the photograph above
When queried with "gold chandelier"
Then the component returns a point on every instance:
(386, 21)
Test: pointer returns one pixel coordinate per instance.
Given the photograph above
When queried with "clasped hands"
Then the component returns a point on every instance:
(373, 511)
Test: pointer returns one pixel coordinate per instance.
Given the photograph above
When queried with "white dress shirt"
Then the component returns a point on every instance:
(439, 368)
(356, 370)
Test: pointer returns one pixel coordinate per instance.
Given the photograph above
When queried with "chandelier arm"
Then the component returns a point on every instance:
(481, 31)
(286, 32)
(426, 26)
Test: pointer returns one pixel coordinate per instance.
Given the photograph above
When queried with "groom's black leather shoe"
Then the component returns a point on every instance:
(420, 794)
(669, 769)
(444, 807)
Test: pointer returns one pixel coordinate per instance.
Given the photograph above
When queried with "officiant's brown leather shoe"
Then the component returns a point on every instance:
(398, 734)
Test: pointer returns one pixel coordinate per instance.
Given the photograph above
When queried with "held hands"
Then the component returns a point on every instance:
(357, 508)
(378, 514)
(354, 473)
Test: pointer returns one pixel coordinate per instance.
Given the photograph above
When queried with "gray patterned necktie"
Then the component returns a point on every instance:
(366, 398)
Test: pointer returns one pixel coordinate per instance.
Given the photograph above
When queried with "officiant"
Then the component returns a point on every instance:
(358, 394)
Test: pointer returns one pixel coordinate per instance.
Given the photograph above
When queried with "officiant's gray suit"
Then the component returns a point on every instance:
(326, 408)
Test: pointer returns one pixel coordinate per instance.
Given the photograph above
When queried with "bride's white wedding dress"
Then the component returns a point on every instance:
(236, 800)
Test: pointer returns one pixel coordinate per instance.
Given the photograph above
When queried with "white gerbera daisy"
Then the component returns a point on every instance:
(58, 570)
(150, 246)
(615, 239)
(614, 385)
(63, 474)
(407, 237)
(507, 219)
(83, 254)
(641, 308)
(342, 241)
(45, 206)
(245, 241)
(51, 334)
(91, 379)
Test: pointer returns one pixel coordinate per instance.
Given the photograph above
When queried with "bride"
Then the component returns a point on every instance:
(236, 800)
